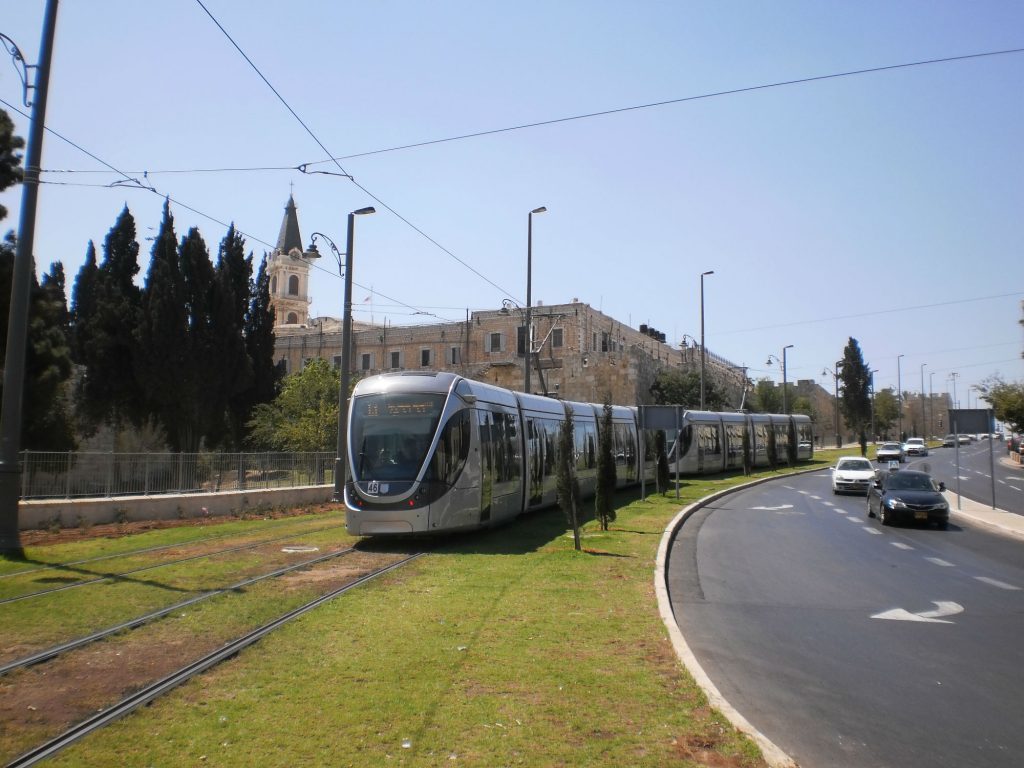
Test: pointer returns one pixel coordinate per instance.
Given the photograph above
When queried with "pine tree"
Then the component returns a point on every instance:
(83, 304)
(10, 159)
(604, 500)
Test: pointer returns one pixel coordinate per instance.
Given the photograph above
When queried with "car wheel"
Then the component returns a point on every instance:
(870, 513)
(884, 518)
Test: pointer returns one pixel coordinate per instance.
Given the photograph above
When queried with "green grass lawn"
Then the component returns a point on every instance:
(505, 647)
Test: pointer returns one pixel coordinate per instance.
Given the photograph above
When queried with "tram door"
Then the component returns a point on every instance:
(500, 456)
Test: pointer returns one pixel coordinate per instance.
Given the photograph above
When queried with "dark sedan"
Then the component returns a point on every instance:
(910, 496)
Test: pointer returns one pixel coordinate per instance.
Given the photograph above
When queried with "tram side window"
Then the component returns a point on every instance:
(452, 449)
(734, 439)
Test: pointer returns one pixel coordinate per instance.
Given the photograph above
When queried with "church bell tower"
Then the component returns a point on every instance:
(289, 273)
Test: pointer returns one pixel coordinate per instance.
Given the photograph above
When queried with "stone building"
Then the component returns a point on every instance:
(579, 352)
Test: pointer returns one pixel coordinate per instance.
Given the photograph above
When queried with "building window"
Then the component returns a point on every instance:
(396, 359)
(494, 342)
(337, 361)
(292, 319)
(424, 358)
(605, 342)
(293, 285)
(556, 337)
(521, 340)
(273, 285)
(366, 362)
(456, 355)
(593, 344)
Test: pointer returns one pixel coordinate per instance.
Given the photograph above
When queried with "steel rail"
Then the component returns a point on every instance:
(173, 680)
(178, 561)
(57, 650)
(133, 552)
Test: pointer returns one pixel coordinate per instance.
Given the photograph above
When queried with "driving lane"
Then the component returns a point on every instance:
(849, 644)
(976, 474)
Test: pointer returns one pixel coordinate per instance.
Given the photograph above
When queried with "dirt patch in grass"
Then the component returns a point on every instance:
(117, 530)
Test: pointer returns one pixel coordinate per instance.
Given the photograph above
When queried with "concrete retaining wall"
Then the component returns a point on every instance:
(71, 513)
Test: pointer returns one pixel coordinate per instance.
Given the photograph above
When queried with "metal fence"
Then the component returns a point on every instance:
(71, 475)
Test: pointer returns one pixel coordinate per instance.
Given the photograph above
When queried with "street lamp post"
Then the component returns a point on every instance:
(341, 458)
(835, 376)
(702, 275)
(785, 405)
(21, 286)
(529, 285)
(899, 397)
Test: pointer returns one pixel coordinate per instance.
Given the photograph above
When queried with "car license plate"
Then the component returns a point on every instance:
(920, 515)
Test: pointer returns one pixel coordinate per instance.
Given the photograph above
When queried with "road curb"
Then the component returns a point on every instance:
(774, 755)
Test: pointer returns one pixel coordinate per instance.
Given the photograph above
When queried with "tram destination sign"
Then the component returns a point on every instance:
(971, 420)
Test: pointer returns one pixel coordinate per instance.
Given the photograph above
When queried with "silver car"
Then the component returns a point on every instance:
(889, 452)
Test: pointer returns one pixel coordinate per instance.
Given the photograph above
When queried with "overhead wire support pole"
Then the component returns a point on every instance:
(21, 283)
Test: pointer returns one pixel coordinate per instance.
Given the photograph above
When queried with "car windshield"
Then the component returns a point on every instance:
(903, 482)
(890, 447)
(853, 465)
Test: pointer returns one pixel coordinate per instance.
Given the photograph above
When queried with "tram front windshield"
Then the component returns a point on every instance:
(391, 434)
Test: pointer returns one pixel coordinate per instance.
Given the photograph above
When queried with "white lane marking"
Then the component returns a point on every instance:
(854, 520)
(942, 608)
(774, 509)
(997, 583)
(900, 545)
(1014, 487)
(939, 561)
(875, 531)
(816, 498)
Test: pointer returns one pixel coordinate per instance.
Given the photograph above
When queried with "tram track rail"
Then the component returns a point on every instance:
(54, 651)
(169, 682)
(177, 561)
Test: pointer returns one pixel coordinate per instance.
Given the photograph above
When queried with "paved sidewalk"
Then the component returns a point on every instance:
(976, 511)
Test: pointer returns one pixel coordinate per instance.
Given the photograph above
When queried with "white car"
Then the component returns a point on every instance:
(852, 474)
(915, 446)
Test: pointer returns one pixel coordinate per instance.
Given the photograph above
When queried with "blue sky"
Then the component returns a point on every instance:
(885, 206)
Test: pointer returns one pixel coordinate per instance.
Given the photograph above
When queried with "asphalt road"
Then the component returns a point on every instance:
(849, 644)
(976, 474)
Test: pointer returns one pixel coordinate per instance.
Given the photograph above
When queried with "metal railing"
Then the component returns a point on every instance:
(72, 475)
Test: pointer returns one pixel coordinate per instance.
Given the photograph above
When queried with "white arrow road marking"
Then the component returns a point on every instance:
(942, 608)
(773, 509)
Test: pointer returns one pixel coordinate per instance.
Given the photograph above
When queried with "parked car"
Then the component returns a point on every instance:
(915, 446)
(965, 439)
(889, 452)
(908, 495)
(949, 441)
(852, 474)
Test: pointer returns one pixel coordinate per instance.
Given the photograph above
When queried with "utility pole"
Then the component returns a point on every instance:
(21, 283)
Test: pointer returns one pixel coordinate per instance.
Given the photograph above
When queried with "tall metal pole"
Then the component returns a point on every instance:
(341, 454)
(21, 283)
(839, 437)
(702, 274)
(785, 403)
(899, 398)
(528, 331)
(931, 403)
(923, 431)
(872, 375)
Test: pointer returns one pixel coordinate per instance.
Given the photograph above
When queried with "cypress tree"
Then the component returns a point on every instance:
(163, 365)
(568, 484)
(230, 303)
(204, 368)
(46, 424)
(83, 304)
(604, 500)
(109, 389)
(259, 345)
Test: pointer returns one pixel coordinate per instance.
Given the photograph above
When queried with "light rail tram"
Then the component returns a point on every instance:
(434, 451)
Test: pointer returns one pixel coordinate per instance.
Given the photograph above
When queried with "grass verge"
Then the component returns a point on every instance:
(502, 648)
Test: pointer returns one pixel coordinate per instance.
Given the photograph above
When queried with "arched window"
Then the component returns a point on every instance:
(293, 285)
(273, 285)
(293, 319)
